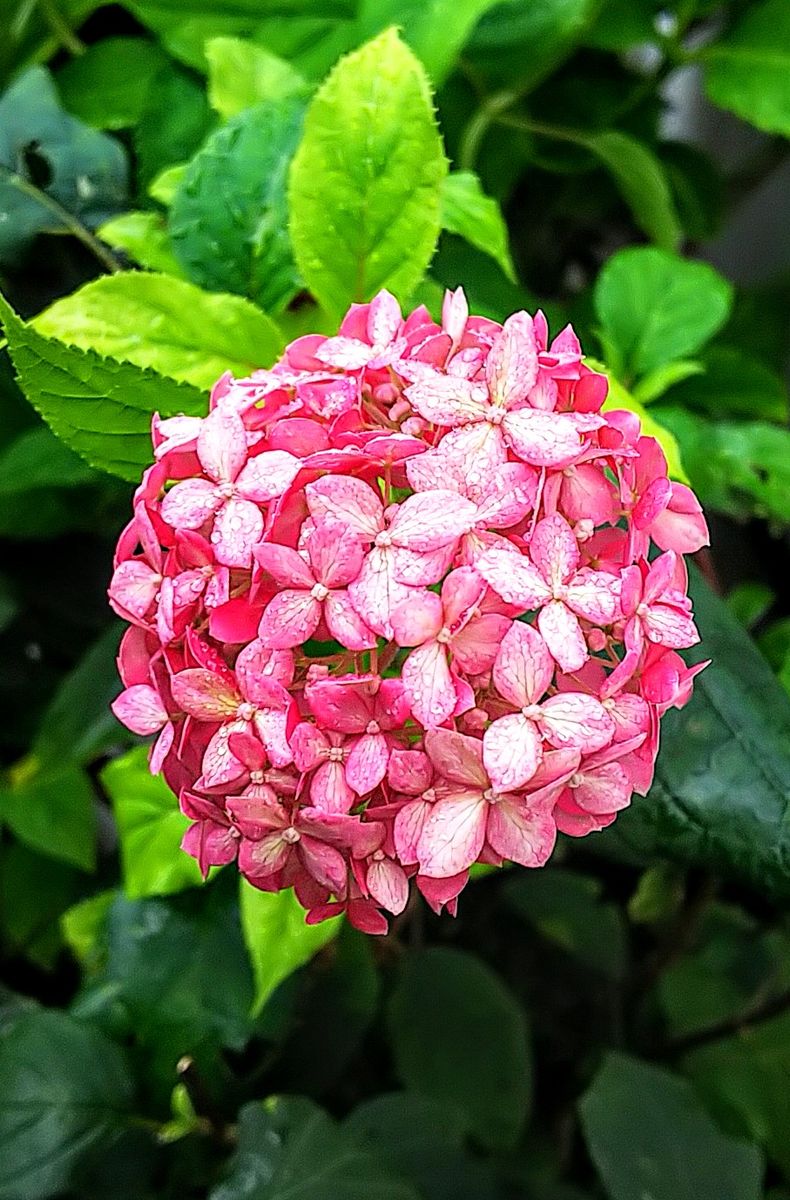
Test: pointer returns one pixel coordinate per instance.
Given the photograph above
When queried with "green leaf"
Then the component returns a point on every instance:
(34, 891)
(164, 186)
(366, 181)
(747, 71)
(436, 30)
(655, 307)
(467, 211)
(37, 459)
(241, 74)
(738, 467)
(721, 793)
(144, 238)
(164, 324)
(641, 180)
(735, 384)
(459, 1037)
(108, 85)
(229, 221)
(52, 811)
(651, 386)
(621, 24)
(173, 124)
(523, 42)
(750, 601)
(278, 939)
(566, 908)
(85, 171)
(649, 1135)
(290, 1149)
(697, 188)
(27, 32)
(101, 408)
(83, 927)
(65, 1089)
(150, 828)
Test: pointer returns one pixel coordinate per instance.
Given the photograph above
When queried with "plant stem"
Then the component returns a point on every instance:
(763, 1010)
(61, 28)
(65, 218)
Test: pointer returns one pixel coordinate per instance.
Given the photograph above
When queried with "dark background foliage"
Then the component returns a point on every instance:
(616, 1025)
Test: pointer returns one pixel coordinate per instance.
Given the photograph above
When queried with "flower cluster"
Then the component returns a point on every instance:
(392, 612)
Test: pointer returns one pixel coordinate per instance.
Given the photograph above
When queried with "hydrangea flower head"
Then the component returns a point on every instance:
(392, 609)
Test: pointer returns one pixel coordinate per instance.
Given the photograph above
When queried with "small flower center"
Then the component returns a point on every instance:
(444, 636)
(383, 539)
(496, 416)
(532, 712)
(291, 835)
(608, 704)
(378, 855)
(491, 796)
(256, 776)
(575, 780)
(373, 727)
(246, 711)
(429, 796)
(226, 490)
(336, 754)
(319, 592)
(642, 609)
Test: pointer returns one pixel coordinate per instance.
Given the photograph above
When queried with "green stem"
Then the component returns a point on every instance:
(67, 219)
(479, 125)
(61, 28)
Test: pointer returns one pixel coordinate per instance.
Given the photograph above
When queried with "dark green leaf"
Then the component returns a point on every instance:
(697, 187)
(108, 86)
(150, 828)
(747, 71)
(174, 122)
(749, 602)
(459, 1037)
(229, 221)
(733, 384)
(526, 41)
(289, 1149)
(53, 169)
(467, 211)
(52, 811)
(566, 908)
(649, 1136)
(365, 188)
(655, 307)
(101, 408)
(436, 30)
(34, 891)
(64, 1089)
(641, 180)
(621, 24)
(166, 324)
(38, 459)
(723, 779)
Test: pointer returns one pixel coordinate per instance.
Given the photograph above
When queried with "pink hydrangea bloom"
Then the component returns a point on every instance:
(393, 610)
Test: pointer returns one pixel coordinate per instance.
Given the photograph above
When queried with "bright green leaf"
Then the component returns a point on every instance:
(144, 238)
(86, 170)
(365, 189)
(228, 220)
(655, 307)
(101, 408)
(747, 71)
(436, 30)
(164, 186)
(651, 386)
(290, 1149)
(467, 211)
(83, 928)
(108, 86)
(241, 74)
(641, 180)
(278, 939)
(65, 1089)
(649, 1135)
(166, 324)
(150, 828)
(459, 1037)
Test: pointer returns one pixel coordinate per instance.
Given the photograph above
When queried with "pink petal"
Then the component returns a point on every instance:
(376, 592)
(236, 621)
(366, 765)
(257, 664)
(211, 845)
(429, 520)
(475, 648)
(659, 576)
(513, 577)
(607, 789)
(542, 439)
(563, 636)
(285, 565)
(576, 720)
(670, 627)
(349, 354)
(444, 400)
(462, 591)
(237, 529)
(268, 475)
(509, 498)
(140, 709)
(554, 549)
(417, 619)
(409, 771)
(457, 757)
(324, 863)
(345, 623)
(681, 527)
(477, 451)
(347, 500)
(524, 667)
(204, 695)
(289, 619)
(520, 833)
(415, 568)
(258, 859)
(133, 589)
(512, 364)
(335, 554)
(594, 595)
(309, 745)
(329, 790)
(271, 725)
(511, 751)
(453, 834)
(408, 828)
(587, 493)
(222, 444)
(384, 318)
(388, 885)
(190, 503)
(345, 703)
(432, 471)
(429, 685)
(220, 765)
